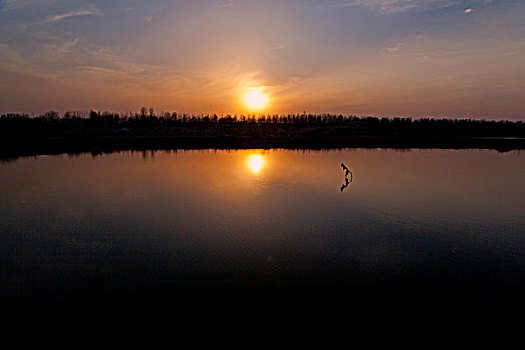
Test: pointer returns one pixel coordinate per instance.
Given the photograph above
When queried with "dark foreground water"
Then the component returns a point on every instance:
(91, 243)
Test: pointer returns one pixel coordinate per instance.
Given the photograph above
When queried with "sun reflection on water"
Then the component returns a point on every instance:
(255, 163)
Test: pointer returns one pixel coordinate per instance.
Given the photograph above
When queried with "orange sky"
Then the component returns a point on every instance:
(440, 58)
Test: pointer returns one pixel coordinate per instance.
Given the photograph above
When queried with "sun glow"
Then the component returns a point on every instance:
(256, 99)
(255, 163)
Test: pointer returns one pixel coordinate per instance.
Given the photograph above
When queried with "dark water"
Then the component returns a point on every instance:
(107, 238)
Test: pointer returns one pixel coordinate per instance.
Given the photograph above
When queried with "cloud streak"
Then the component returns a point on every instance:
(399, 6)
(69, 14)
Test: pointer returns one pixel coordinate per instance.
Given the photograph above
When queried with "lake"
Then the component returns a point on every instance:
(262, 229)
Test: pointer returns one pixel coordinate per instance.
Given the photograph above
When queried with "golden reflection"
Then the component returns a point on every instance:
(255, 163)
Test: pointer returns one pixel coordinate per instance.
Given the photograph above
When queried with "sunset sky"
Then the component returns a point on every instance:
(414, 58)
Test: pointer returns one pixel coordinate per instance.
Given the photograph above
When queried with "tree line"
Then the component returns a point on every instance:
(147, 119)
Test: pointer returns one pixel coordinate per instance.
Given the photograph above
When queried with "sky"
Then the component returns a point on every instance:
(409, 58)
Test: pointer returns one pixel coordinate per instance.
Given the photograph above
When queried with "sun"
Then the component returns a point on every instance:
(256, 99)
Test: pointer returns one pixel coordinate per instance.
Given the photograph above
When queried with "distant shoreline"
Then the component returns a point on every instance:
(103, 133)
(23, 146)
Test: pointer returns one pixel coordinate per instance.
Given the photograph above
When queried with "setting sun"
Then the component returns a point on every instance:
(256, 99)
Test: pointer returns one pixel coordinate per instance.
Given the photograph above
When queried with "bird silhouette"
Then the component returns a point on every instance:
(345, 185)
(345, 168)
(347, 182)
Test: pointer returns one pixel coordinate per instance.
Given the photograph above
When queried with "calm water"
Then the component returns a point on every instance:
(261, 229)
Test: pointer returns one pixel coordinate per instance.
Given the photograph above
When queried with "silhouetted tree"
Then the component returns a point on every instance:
(51, 115)
(143, 111)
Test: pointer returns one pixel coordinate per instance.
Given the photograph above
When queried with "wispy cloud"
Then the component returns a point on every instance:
(61, 49)
(393, 49)
(393, 6)
(20, 15)
(70, 14)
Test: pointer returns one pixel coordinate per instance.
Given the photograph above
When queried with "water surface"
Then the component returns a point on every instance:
(263, 228)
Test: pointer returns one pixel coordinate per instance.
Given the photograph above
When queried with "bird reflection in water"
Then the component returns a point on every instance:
(347, 172)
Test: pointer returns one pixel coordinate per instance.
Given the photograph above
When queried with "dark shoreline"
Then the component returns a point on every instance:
(108, 132)
(25, 147)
